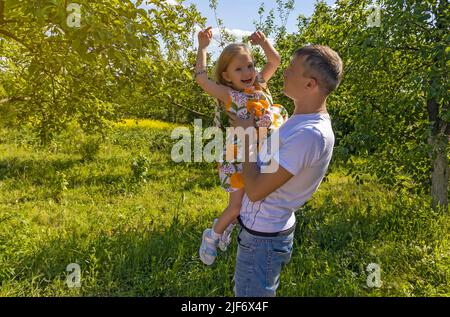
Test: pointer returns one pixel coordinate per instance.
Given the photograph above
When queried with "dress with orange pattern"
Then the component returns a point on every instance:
(267, 114)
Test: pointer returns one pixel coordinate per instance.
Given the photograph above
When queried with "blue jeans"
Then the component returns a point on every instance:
(259, 262)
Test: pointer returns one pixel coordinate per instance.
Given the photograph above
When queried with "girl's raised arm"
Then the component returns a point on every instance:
(273, 58)
(213, 89)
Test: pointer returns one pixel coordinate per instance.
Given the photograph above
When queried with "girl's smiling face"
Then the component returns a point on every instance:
(241, 72)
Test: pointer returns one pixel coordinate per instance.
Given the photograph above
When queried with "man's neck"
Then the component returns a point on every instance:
(318, 106)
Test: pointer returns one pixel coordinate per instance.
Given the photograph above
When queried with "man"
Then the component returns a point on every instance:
(305, 148)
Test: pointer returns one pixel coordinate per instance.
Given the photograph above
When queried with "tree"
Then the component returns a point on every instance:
(392, 107)
(165, 90)
(54, 69)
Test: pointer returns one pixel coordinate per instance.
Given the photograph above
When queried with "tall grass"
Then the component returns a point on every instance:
(132, 219)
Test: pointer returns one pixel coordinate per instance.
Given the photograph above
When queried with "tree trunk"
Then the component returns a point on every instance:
(440, 173)
(438, 141)
(2, 11)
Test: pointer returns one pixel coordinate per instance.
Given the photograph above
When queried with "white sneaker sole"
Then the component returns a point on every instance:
(205, 258)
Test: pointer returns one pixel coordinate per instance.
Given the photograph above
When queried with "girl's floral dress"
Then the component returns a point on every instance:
(267, 115)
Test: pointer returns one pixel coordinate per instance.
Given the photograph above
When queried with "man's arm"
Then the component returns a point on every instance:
(297, 152)
(259, 185)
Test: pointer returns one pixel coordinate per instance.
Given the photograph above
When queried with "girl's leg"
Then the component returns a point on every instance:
(230, 214)
(214, 237)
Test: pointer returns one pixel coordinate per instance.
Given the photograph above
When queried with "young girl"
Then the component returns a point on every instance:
(239, 89)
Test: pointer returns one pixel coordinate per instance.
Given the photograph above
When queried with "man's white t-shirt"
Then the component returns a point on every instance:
(305, 148)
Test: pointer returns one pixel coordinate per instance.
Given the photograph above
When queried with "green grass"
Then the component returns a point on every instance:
(136, 231)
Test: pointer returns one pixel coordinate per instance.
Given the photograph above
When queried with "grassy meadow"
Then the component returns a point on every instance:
(132, 219)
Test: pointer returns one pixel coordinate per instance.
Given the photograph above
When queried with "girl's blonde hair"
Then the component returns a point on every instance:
(225, 59)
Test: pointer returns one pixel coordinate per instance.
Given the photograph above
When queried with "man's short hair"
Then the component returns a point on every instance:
(324, 64)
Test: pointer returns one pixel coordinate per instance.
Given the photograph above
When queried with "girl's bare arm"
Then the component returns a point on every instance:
(273, 58)
(213, 89)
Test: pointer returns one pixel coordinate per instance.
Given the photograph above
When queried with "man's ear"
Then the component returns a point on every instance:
(312, 83)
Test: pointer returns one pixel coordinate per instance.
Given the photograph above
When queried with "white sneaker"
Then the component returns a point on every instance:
(225, 238)
(208, 247)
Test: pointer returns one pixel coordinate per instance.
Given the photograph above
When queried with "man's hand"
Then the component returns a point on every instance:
(204, 38)
(245, 123)
(250, 141)
(231, 118)
(258, 38)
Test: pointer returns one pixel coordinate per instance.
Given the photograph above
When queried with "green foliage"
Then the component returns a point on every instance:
(58, 185)
(168, 92)
(383, 111)
(8, 116)
(145, 242)
(53, 72)
(89, 149)
(140, 167)
(391, 110)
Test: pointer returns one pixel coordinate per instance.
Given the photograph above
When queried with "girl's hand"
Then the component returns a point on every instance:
(258, 38)
(204, 37)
